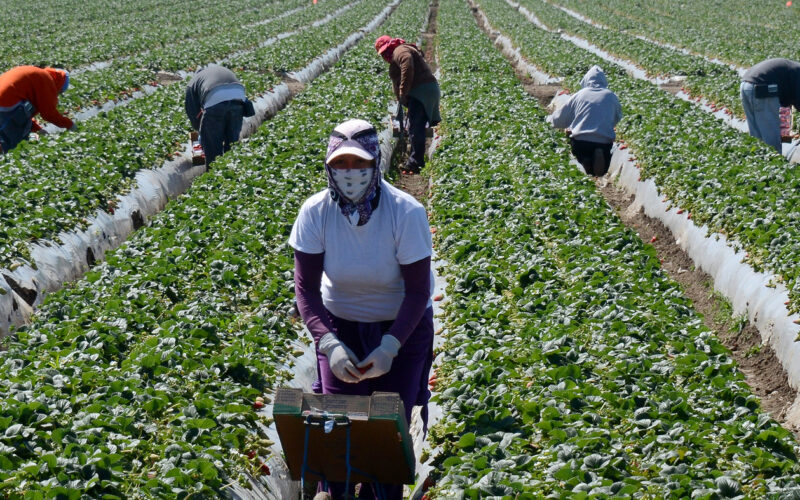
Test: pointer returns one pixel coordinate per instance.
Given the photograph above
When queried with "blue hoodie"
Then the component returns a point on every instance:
(592, 112)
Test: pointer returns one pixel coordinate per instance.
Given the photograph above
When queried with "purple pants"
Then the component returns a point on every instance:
(408, 376)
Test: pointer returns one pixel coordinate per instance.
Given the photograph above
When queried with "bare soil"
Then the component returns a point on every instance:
(763, 372)
(295, 87)
(417, 184)
(543, 93)
(671, 87)
(165, 77)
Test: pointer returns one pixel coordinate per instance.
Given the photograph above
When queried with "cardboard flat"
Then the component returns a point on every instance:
(380, 445)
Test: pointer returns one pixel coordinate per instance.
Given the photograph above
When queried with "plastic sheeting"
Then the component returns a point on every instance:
(753, 293)
(57, 263)
(514, 55)
(741, 71)
(758, 295)
(791, 152)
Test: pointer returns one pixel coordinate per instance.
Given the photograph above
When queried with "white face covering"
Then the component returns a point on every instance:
(353, 182)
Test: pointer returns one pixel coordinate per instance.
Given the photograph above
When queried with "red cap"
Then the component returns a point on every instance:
(382, 43)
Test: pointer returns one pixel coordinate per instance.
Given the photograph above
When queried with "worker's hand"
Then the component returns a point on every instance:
(568, 132)
(74, 127)
(380, 360)
(340, 358)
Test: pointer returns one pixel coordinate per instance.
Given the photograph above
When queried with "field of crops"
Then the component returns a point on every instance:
(571, 364)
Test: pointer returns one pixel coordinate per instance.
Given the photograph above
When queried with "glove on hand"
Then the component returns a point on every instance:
(381, 358)
(340, 358)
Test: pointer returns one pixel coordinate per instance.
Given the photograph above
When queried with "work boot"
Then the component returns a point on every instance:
(598, 162)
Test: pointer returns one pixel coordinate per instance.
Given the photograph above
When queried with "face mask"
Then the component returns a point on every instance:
(353, 182)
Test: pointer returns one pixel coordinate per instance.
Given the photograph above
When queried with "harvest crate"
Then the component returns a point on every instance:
(380, 445)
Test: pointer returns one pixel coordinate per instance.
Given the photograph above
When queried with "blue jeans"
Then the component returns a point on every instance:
(15, 125)
(763, 116)
(220, 126)
(417, 119)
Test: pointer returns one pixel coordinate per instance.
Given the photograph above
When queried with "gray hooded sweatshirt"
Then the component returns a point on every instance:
(592, 112)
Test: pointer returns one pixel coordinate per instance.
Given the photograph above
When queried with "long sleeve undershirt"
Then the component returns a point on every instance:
(308, 270)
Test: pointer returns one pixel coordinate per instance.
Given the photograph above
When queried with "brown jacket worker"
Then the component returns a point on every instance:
(416, 88)
(26, 91)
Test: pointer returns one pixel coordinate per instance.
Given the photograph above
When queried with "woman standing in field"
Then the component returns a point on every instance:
(363, 279)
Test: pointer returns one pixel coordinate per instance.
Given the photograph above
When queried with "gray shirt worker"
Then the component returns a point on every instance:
(765, 88)
(782, 72)
(215, 101)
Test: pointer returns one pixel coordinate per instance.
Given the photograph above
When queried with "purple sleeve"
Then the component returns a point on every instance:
(307, 282)
(417, 278)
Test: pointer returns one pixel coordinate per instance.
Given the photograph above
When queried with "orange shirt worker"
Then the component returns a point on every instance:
(26, 91)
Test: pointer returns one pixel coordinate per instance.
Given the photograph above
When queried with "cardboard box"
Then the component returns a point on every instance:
(198, 155)
(380, 445)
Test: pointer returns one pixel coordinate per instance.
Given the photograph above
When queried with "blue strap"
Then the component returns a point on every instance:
(350, 469)
(347, 463)
(305, 462)
(305, 468)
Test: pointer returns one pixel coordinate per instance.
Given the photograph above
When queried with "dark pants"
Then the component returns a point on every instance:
(417, 119)
(220, 126)
(15, 126)
(594, 163)
(408, 377)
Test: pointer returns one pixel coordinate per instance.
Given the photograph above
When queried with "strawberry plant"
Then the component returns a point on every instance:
(573, 366)
(77, 174)
(144, 378)
(715, 81)
(745, 186)
(738, 31)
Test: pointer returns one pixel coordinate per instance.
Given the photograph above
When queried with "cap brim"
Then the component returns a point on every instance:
(350, 150)
(383, 48)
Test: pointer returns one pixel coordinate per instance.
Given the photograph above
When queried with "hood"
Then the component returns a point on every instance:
(594, 78)
(60, 78)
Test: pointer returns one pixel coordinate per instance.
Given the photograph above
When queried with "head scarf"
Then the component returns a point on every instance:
(385, 46)
(60, 78)
(358, 134)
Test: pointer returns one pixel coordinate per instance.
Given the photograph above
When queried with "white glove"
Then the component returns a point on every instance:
(379, 361)
(340, 358)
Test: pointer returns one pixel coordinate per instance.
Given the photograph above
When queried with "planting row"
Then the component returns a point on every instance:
(75, 33)
(53, 184)
(716, 82)
(120, 76)
(732, 183)
(140, 380)
(739, 31)
(573, 366)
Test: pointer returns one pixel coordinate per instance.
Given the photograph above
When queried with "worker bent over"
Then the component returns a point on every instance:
(216, 104)
(590, 117)
(415, 88)
(765, 88)
(26, 91)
